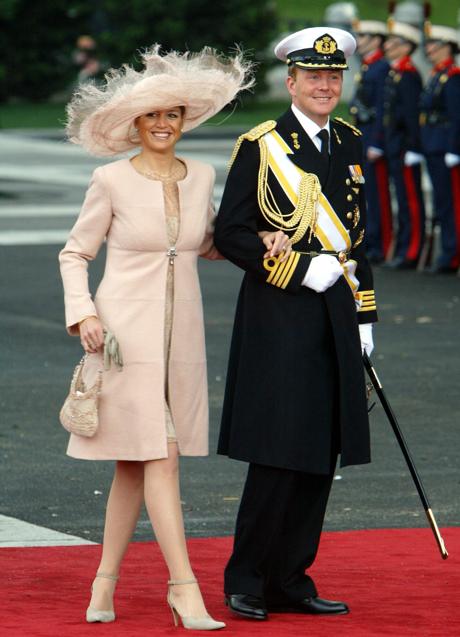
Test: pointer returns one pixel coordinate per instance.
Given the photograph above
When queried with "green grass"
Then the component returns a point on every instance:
(52, 115)
(312, 11)
(294, 14)
(40, 115)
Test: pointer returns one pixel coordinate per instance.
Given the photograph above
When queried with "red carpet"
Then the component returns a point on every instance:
(394, 581)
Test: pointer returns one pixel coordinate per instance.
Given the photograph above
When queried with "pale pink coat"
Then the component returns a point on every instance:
(128, 209)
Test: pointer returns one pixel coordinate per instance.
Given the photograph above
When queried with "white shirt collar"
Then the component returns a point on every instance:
(309, 126)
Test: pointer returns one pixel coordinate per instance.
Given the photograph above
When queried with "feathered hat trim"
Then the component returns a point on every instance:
(101, 118)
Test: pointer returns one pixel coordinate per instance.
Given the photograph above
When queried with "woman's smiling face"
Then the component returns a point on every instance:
(160, 130)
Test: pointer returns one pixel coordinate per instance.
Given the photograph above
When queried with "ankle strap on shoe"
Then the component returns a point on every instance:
(178, 582)
(107, 576)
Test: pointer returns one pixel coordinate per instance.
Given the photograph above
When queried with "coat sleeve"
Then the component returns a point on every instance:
(452, 92)
(377, 136)
(410, 90)
(207, 249)
(83, 244)
(237, 222)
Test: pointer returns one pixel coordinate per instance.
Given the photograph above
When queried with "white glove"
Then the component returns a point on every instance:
(411, 158)
(451, 160)
(365, 334)
(323, 271)
(374, 153)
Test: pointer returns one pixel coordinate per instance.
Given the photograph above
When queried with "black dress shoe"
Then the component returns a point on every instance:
(313, 606)
(247, 606)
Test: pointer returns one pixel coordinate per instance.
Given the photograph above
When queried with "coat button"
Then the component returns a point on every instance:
(348, 182)
(349, 215)
(349, 197)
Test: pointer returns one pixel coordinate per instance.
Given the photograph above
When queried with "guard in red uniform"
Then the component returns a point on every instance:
(440, 131)
(400, 129)
(366, 108)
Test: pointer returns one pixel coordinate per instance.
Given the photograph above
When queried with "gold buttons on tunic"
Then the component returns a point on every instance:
(348, 182)
(349, 215)
(349, 197)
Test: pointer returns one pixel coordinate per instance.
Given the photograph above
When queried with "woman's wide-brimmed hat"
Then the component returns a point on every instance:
(101, 118)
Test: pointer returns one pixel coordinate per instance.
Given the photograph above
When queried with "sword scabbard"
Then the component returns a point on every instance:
(406, 453)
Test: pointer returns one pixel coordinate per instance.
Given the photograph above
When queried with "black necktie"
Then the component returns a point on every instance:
(324, 137)
(323, 171)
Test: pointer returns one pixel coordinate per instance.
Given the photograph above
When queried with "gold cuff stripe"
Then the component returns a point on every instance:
(280, 269)
(272, 264)
(281, 273)
(291, 271)
(367, 300)
(283, 270)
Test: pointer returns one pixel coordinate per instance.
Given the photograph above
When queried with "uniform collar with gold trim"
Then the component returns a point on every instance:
(310, 127)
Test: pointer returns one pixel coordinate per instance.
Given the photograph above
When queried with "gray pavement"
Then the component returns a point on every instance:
(42, 183)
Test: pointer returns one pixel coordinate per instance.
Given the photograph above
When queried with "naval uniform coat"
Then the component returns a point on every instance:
(295, 370)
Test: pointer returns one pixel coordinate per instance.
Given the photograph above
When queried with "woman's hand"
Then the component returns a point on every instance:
(276, 243)
(91, 334)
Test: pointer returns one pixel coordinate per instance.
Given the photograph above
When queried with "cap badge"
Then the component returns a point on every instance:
(326, 45)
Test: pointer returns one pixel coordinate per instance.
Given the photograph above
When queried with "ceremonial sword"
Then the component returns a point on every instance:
(406, 453)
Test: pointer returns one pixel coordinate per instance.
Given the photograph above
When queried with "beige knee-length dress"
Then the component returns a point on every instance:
(172, 213)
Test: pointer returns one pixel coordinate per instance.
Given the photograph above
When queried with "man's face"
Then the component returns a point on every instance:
(315, 93)
(367, 43)
(396, 47)
(437, 51)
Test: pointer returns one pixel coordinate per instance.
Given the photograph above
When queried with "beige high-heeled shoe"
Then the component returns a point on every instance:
(193, 623)
(104, 616)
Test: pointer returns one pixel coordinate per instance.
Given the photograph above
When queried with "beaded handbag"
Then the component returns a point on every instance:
(79, 413)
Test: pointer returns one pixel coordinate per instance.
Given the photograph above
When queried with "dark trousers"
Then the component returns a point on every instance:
(444, 210)
(411, 208)
(379, 221)
(277, 534)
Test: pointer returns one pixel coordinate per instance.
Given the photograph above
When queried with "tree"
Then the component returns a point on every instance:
(41, 35)
(38, 40)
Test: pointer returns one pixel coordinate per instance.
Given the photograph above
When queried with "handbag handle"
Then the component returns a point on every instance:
(77, 382)
(112, 353)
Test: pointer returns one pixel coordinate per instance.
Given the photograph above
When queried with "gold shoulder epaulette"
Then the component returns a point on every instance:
(252, 135)
(355, 130)
(259, 130)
